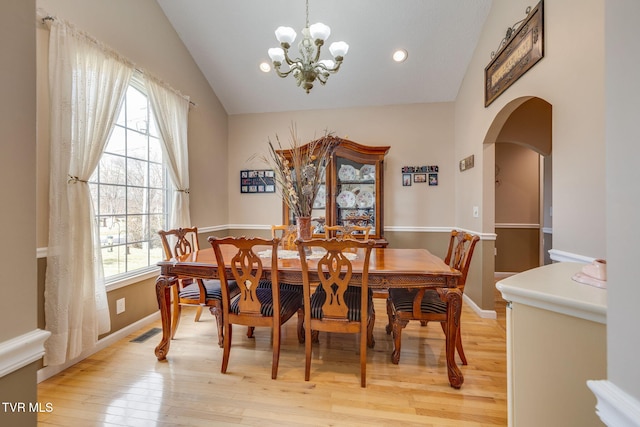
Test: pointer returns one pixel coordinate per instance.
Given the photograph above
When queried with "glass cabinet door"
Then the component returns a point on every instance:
(352, 191)
(355, 191)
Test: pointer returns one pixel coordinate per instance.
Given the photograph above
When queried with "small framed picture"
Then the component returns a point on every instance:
(433, 179)
(420, 177)
(406, 179)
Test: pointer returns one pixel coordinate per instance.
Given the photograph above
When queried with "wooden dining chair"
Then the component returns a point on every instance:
(340, 301)
(260, 302)
(189, 291)
(425, 304)
(347, 231)
(287, 235)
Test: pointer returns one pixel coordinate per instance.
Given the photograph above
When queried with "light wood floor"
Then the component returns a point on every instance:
(125, 385)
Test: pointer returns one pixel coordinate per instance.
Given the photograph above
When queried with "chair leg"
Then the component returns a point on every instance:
(390, 315)
(307, 352)
(198, 314)
(371, 342)
(363, 356)
(176, 311)
(300, 326)
(276, 352)
(217, 312)
(397, 327)
(463, 358)
(228, 328)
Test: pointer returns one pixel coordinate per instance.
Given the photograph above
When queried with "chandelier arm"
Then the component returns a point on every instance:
(319, 44)
(337, 67)
(288, 60)
(322, 77)
(330, 70)
(280, 73)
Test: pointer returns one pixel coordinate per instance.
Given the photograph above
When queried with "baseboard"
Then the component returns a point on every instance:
(485, 314)
(615, 407)
(49, 371)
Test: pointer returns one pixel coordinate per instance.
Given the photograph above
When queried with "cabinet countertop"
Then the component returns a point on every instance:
(550, 287)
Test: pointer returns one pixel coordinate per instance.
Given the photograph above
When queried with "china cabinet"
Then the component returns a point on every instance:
(352, 192)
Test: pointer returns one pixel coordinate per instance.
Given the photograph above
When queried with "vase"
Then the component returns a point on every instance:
(303, 224)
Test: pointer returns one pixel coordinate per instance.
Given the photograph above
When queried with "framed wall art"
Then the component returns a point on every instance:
(257, 181)
(520, 49)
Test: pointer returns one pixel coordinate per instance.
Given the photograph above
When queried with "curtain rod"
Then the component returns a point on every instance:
(51, 18)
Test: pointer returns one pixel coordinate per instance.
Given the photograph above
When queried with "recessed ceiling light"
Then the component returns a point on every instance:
(265, 67)
(400, 55)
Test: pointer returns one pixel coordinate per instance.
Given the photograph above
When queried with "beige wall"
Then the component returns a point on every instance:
(139, 31)
(571, 78)
(17, 163)
(420, 134)
(517, 185)
(17, 158)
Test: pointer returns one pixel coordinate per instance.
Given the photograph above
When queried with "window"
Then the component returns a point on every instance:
(130, 191)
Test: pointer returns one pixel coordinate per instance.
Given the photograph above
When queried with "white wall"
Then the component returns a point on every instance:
(623, 194)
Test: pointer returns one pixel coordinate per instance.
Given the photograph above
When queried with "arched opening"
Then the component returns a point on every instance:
(520, 138)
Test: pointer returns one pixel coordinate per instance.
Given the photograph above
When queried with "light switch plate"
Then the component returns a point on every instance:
(120, 306)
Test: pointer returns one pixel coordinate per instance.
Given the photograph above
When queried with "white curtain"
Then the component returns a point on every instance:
(171, 111)
(88, 83)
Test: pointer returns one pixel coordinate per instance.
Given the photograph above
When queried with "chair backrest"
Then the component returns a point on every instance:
(179, 241)
(461, 246)
(334, 272)
(347, 232)
(247, 270)
(287, 235)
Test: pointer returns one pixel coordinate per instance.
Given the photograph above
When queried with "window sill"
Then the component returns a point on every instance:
(130, 280)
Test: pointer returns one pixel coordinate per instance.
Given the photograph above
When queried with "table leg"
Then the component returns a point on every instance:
(453, 298)
(163, 293)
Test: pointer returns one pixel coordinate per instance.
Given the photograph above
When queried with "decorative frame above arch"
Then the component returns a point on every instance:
(520, 50)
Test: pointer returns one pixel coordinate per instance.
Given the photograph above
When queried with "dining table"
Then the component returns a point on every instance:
(388, 268)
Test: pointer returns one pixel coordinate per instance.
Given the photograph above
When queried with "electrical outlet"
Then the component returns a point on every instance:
(120, 306)
(476, 212)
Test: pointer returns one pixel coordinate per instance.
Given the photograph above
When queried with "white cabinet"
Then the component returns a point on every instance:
(556, 341)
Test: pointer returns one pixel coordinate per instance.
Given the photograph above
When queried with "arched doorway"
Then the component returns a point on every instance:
(520, 138)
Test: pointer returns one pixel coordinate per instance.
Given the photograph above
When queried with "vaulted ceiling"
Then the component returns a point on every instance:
(229, 39)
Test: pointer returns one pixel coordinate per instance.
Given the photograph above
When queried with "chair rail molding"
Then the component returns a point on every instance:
(614, 406)
(22, 350)
(397, 228)
(562, 256)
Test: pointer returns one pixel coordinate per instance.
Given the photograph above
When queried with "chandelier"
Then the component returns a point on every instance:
(308, 67)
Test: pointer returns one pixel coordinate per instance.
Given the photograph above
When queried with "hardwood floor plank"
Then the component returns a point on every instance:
(125, 385)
